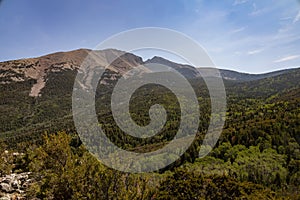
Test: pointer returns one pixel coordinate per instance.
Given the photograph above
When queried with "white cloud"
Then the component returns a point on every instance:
(287, 58)
(233, 42)
(256, 51)
(238, 30)
(257, 12)
(297, 18)
(285, 18)
(237, 2)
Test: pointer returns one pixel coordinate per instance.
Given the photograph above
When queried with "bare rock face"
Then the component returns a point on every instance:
(13, 186)
(38, 69)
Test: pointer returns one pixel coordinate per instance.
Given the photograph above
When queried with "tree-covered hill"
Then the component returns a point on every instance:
(256, 157)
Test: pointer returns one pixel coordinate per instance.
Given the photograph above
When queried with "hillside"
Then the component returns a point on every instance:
(36, 92)
(191, 72)
(238, 76)
(257, 153)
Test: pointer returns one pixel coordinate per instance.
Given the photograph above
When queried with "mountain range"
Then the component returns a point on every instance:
(39, 69)
(255, 157)
(35, 93)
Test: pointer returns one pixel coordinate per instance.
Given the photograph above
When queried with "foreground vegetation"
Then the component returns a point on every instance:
(63, 169)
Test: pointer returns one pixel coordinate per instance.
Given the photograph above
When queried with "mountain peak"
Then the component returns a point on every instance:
(39, 68)
(160, 60)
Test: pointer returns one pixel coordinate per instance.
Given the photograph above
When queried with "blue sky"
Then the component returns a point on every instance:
(245, 35)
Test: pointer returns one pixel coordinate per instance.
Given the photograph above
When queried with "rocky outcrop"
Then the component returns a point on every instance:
(38, 69)
(14, 186)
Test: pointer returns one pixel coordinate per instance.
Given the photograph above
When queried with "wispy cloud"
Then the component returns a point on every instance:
(287, 58)
(285, 18)
(256, 51)
(237, 2)
(238, 30)
(257, 12)
(297, 18)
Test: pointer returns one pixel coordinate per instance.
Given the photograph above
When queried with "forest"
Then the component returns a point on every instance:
(256, 157)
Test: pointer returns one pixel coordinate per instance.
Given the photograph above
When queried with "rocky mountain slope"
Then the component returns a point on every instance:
(38, 69)
(35, 93)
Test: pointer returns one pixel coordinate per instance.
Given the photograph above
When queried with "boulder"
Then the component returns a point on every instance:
(13, 186)
(6, 188)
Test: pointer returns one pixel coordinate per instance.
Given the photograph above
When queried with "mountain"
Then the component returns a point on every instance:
(192, 72)
(186, 70)
(266, 85)
(35, 93)
(38, 70)
(255, 157)
(238, 76)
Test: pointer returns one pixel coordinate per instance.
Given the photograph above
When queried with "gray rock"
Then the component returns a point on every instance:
(6, 188)
(4, 198)
(13, 186)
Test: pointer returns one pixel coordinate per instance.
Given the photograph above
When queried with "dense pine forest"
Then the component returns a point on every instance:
(256, 157)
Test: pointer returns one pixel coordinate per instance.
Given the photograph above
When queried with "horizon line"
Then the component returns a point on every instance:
(220, 67)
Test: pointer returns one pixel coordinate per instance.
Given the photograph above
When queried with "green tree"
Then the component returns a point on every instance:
(6, 160)
(185, 184)
(67, 172)
(265, 167)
